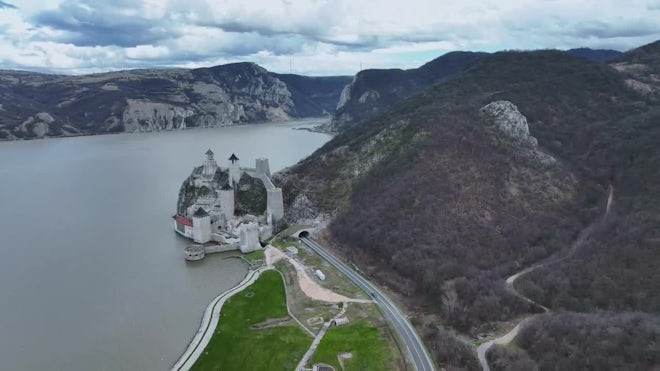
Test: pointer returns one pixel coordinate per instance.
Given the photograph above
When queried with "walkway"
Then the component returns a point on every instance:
(210, 321)
(317, 340)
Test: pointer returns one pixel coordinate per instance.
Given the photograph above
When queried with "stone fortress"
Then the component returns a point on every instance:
(227, 208)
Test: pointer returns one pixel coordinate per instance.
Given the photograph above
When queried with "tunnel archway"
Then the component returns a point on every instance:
(303, 234)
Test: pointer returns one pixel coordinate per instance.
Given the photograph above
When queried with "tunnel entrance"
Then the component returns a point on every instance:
(303, 234)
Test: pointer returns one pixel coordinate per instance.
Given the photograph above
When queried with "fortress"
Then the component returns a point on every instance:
(232, 208)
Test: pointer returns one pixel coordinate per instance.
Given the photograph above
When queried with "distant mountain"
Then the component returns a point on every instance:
(444, 194)
(314, 96)
(40, 105)
(595, 55)
(375, 90)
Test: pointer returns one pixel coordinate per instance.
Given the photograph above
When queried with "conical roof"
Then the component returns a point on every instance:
(209, 152)
(200, 213)
(233, 157)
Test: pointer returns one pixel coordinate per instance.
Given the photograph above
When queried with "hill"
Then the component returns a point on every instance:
(595, 55)
(374, 90)
(39, 105)
(438, 201)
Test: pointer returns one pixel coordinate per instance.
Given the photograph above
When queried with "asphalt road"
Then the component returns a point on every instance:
(418, 353)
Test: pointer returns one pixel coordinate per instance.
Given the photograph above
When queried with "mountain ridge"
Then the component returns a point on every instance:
(41, 105)
(431, 204)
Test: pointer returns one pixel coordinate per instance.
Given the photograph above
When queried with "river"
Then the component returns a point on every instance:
(92, 276)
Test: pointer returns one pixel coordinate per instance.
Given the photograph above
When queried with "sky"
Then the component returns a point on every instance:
(311, 37)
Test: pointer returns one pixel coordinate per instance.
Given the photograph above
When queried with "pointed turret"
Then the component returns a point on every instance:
(234, 169)
(210, 166)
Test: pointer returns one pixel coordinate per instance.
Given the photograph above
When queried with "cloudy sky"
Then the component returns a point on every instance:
(315, 37)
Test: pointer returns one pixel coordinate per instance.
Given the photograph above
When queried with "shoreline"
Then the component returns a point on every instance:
(210, 321)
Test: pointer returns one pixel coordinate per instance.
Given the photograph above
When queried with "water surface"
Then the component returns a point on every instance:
(91, 274)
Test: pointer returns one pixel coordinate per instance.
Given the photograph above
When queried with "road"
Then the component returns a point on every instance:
(482, 350)
(418, 353)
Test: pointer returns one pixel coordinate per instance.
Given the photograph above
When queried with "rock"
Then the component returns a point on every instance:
(509, 126)
(143, 115)
(508, 122)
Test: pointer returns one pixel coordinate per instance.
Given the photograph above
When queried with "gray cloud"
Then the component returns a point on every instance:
(83, 35)
(607, 30)
(91, 23)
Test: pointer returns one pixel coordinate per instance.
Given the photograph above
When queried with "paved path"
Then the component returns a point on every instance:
(482, 350)
(317, 340)
(210, 321)
(418, 353)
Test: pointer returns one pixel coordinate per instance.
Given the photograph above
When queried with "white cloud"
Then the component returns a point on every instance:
(318, 36)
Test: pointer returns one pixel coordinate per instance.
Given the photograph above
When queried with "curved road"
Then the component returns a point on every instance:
(418, 353)
(508, 337)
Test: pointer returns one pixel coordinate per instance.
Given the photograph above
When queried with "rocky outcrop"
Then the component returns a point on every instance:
(143, 115)
(508, 126)
(508, 123)
(38, 105)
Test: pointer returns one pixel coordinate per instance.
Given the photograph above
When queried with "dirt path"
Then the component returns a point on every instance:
(308, 286)
(583, 236)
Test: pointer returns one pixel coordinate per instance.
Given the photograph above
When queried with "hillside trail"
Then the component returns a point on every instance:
(583, 236)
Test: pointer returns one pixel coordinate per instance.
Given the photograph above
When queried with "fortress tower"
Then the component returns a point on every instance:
(234, 169)
(201, 226)
(262, 167)
(275, 203)
(210, 166)
(227, 201)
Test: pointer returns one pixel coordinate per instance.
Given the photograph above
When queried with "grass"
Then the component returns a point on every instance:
(364, 341)
(236, 346)
(281, 243)
(255, 255)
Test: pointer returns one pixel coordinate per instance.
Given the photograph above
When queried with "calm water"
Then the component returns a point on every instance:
(92, 277)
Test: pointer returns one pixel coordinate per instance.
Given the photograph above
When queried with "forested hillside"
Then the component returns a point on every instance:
(435, 206)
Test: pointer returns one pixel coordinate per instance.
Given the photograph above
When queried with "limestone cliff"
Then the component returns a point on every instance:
(37, 105)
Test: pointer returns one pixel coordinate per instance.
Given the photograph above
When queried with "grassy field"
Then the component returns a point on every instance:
(237, 346)
(369, 350)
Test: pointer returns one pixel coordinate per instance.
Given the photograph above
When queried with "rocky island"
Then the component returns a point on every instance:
(228, 208)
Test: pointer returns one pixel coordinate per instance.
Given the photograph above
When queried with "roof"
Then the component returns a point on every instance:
(200, 213)
(226, 187)
(209, 152)
(183, 220)
(233, 157)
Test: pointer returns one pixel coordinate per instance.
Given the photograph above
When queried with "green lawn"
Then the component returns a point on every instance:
(255, 255)
(369, 349)
(236, 346)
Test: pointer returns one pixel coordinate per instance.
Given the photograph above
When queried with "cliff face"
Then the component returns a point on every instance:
(37, 105)
(371, 91)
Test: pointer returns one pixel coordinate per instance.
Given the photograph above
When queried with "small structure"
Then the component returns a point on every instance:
(340, 321)
(291, 250)
(319, 274)
(322, 367)
(194, 252)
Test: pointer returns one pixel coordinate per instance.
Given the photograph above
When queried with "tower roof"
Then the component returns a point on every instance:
(233, 157)
(226, 187)
(200, 213)
(209, 152)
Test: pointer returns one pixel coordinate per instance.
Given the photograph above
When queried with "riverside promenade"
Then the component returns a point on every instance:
(210, 321)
